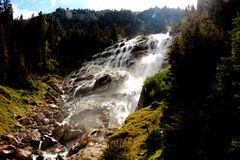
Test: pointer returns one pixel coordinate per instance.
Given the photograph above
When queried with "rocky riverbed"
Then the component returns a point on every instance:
(42, 135)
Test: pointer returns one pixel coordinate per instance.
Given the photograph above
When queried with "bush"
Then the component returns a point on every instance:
(116, 150)
(153, 141)
(155, 88)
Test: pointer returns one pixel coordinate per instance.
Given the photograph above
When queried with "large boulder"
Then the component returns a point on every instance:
(71, 135)
(32, 137)
(7, 151)
(22, 154)
(47, 142)
(105, 79)
(10, 139)
(91, 145)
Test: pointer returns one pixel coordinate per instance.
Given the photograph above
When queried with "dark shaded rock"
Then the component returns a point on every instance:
(60, 115)
(48, 142)
(56, 88)
(39, 118)
(122, 44)
(102, 81)
(58, 148)
(5, 94)
(32, 137)
(26, 121)
(59, 157)
(88, 77)
(40, 157)
(7, 150)
(80, 145)
(58, 132)
(154, 105)
(140, 47)
(43, 129)
(10, 139)
(71, 135)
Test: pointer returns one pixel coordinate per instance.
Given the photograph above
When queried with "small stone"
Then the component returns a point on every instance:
(26, 121)
(53, 106)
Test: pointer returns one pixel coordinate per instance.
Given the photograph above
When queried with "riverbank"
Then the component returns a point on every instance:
(29, 116)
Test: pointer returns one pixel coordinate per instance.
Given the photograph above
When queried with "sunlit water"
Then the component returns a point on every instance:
(103, 92)
(106, 90)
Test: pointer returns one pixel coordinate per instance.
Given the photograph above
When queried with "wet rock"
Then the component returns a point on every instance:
(22, 154)
(83, 78)
(91, 145)
(48, 142)
(71, 135)
(102, 81)
(58, 148)
(40, 157)
(59, 157)
(122, 44)
(85, 139)
(140, 47)
(58, 132)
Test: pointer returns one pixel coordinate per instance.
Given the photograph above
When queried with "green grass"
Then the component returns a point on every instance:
(136, 129)
(22, 102)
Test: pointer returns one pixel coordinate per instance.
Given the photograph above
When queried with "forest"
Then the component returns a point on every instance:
(59, 42)
(197, 97)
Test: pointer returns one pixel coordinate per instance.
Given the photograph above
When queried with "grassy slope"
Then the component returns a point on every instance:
(136, 129)
(22, 102)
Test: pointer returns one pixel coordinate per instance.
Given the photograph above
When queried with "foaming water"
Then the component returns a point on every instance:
(106, 90)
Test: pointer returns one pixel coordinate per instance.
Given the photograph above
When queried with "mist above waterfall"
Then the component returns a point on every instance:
(106, 90)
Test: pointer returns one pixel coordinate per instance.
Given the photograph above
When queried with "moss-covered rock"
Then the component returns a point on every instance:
(15, 103)
(134, 133)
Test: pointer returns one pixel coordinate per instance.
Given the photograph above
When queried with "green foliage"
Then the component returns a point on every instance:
(116, 150)
(62, 40)
(22, 102)
(155, 88)
(153, 141)
(136, 130)
(202, 116)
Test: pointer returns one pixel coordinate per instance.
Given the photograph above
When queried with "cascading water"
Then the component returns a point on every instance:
(107, 89)
(100, 95)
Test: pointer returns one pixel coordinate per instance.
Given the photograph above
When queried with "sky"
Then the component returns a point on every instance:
(29, 7)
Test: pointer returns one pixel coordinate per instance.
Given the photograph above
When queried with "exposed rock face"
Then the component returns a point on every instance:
(91, 145)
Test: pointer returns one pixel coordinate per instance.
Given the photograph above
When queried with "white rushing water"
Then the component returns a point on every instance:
(106, 90)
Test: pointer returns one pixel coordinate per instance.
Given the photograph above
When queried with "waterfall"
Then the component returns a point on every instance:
(106, 90)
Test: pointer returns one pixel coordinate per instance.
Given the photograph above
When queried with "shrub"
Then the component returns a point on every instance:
(155, 88)
(116, 150)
